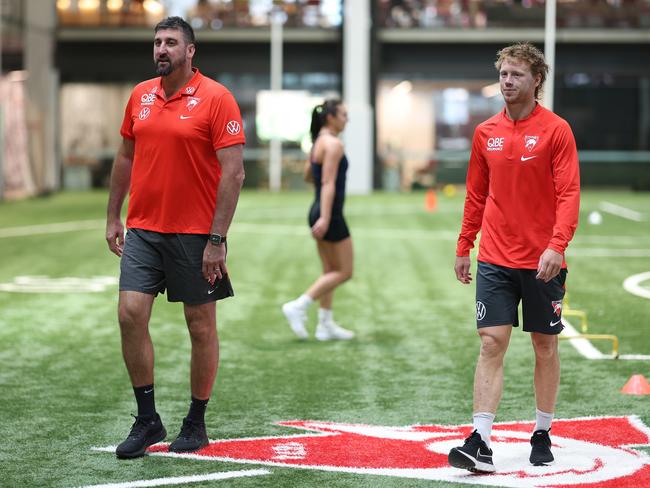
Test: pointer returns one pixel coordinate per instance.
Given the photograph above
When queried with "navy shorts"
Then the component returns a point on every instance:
(338, 229)
(499, 291)
(153, 262)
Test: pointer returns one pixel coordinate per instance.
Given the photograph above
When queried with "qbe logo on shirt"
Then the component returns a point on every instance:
(495, 143)
(147, 99)
(233, 127)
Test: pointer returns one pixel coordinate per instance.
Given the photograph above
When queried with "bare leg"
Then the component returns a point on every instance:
(488, 379)
(340, 254)
(327, 298)
(547, 370)
(134, 311)
(202, 324)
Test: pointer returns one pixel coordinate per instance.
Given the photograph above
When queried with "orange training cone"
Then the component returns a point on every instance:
(430, 200)
(636, 385)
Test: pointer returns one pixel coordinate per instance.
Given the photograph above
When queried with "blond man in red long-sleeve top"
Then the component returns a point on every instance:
(523, 195)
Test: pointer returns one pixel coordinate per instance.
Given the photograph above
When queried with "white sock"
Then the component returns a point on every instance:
(325, 315)
(303, 301)
(543, 420)
(483, 425)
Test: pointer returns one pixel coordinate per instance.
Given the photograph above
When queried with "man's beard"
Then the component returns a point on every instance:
(168, 69)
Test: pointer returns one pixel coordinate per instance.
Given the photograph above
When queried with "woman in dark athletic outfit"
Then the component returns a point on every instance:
(328, 166)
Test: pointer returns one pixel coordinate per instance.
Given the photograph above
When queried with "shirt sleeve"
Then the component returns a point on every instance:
(226, 125)
(566, 180)
(478, 183)
(126, 130)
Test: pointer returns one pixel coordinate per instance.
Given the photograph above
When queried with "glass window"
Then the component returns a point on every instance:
(582, 98)
(202, 14)
(425, 128)
(89, 133)
(512, 13)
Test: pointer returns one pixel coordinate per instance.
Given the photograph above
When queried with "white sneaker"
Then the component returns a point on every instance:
(297, 318)
(327, 331)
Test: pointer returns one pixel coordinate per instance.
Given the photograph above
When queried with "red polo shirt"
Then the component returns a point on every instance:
(176, 171)
(523, 189)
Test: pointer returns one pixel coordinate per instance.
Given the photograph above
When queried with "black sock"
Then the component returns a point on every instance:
(144, 397)
(197, 410)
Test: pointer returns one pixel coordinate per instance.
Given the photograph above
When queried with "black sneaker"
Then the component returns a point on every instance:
(540, 454)
(474, 455)
(145, 432)
(191, 438)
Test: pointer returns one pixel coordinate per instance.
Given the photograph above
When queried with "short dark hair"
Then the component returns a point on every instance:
(526, 52)
(177, 23)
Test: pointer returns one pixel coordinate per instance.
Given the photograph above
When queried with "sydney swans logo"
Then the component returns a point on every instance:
(589, 452)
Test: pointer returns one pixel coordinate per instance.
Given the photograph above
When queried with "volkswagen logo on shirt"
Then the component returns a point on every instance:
(233, 127)
(144, 113)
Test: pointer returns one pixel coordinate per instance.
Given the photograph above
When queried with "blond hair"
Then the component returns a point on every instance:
(526, 52)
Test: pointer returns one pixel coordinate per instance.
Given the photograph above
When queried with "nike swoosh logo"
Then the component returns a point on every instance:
(210, 292)
(183, 117)
(522, 158)
(555, 323)
(148, 391)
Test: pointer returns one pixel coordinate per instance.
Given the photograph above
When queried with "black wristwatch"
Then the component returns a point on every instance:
(217, 239)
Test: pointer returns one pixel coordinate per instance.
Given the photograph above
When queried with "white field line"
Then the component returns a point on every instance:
(631, 285)
(583, 346)
(599, 252)
(181, 480)
(31, 230)
(587, 349)
(302, 230)
(350, 211)
(388, 234)
(623, 212)
(604, 239)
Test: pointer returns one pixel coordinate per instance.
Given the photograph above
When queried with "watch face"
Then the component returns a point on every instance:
(216, 238)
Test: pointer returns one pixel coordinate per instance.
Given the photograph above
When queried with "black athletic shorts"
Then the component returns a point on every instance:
(153, 261)
(338, 229)
(499, 290)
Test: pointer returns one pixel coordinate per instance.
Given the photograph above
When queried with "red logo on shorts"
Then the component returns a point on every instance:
(589, 452)
(557, 307)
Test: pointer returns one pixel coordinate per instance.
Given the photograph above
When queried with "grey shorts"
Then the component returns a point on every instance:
(499, 291)
(153, 262)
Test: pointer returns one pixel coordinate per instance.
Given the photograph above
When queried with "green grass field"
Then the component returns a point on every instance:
(64, 388)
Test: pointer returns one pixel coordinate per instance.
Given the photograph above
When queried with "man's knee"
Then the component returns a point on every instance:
(201, 323)
(202, 331)
(546, 346)
(131, 316)
(493, 345)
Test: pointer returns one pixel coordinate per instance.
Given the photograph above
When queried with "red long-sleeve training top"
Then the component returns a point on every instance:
(523, 189)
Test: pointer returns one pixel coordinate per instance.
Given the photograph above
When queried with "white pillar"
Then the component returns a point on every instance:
(41, 93)
(358, 136)
(549, 52)
(275, 147)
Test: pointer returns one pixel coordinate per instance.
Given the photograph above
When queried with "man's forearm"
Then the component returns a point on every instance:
(120, 181)
(227, 197)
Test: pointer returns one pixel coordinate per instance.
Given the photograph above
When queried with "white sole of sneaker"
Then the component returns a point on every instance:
(459, 459)
(550, 463)
(332, 338)
(297, 327)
